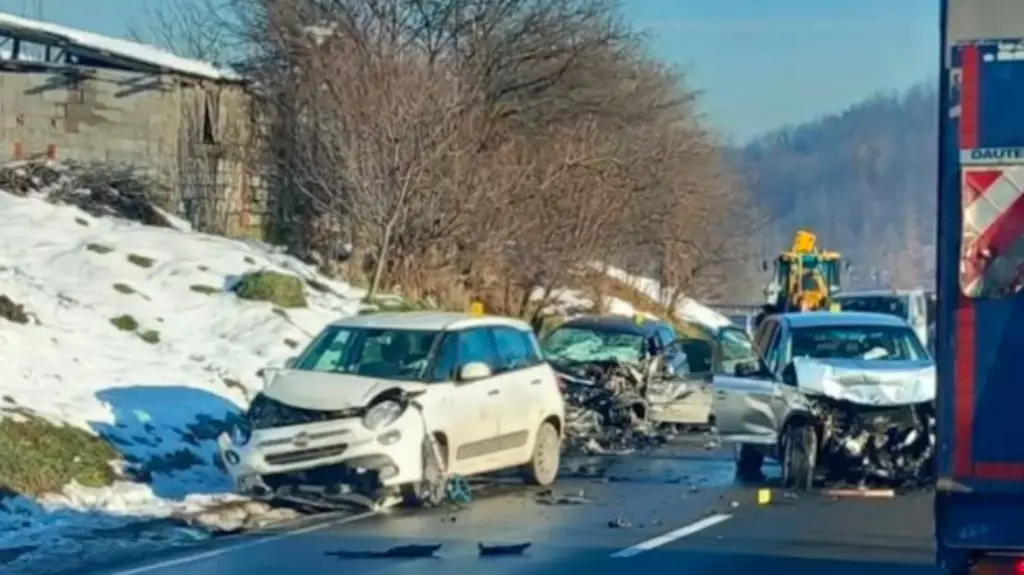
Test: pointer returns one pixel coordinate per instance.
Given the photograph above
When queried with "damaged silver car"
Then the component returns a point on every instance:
(841, 397)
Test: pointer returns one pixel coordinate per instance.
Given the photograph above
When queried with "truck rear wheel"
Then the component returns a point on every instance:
(799, 455)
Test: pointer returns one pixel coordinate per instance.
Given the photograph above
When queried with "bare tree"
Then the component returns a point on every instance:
(201, 29)
(503, 145)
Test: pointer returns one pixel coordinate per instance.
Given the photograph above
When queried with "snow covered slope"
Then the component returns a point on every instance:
(159, 390)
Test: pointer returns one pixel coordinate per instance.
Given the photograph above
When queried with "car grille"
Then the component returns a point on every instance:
(267, 413)
(305, 455)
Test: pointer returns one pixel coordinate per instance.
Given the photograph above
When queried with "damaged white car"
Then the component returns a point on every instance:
(397, 403)
(843, 397)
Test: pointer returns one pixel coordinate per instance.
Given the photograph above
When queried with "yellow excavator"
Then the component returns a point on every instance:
(805, 278)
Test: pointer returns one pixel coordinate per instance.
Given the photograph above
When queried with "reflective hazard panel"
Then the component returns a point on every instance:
(476, 308)
(992, 256)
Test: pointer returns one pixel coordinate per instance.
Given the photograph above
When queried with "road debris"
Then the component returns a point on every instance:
(863, 492)
(237, 516)
(619, 523)
(399, 552)
(549, 497)
(497, 550)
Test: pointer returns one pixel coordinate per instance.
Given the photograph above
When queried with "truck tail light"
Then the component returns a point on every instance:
(998, 565)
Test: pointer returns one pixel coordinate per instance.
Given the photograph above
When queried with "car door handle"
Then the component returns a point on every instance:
(536, 382)
(494, 392)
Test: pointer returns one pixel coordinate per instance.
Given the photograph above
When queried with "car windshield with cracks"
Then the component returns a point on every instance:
(580, 345)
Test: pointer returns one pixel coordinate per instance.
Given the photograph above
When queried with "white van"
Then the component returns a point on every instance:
(911, 305)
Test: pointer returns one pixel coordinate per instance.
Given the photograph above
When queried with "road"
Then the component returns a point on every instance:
(715, 526)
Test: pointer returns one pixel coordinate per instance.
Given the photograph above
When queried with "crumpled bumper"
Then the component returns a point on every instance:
(326, 454)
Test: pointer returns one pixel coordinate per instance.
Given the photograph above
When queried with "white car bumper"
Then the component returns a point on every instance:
(326, 453)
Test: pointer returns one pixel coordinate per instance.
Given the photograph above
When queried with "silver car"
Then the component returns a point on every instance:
(846, 396)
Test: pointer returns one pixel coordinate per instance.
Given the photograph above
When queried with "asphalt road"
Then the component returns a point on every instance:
(674, 513)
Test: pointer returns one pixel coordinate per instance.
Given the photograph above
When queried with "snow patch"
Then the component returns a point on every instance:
(161, 404)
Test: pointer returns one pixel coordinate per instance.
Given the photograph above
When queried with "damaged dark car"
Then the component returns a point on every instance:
(849, 399)
(625, 378)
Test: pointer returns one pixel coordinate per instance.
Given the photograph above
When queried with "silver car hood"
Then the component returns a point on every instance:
(864, 382)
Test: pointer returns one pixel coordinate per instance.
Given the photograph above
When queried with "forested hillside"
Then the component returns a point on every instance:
(864, 180)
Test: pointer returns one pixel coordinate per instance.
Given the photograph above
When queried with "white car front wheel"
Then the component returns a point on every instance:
(430, 490)
(542, 469)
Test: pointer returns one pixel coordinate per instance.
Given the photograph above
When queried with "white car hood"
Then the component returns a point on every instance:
(328, 391)
(866, 383)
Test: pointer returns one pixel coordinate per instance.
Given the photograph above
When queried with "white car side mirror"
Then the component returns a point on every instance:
(474, 371)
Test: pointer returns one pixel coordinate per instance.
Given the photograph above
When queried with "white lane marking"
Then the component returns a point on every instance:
(671, 536)
(243, 545)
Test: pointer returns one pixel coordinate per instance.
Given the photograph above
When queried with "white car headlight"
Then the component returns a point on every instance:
(383, 414)
(241, 434)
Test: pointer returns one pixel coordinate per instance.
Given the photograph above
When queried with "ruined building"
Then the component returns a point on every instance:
(182, 125)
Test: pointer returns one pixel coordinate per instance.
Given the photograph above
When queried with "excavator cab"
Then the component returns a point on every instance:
(807, 276)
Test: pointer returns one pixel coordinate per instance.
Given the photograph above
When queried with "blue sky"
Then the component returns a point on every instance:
(760, 63)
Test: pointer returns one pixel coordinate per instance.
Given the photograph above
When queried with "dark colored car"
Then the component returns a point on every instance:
(613, 337)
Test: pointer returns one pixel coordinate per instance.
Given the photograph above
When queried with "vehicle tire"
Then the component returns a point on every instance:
(430, 491)
(542, 469)
(749, 461)
(799, 455)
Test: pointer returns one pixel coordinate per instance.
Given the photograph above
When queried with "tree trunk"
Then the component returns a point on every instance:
(382, 258)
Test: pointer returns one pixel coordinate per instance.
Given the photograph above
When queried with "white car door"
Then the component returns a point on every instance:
(527, 392)
(473, 432)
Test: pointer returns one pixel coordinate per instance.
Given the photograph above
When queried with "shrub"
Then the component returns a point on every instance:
(125, 323)
(141, 261)
(282, 290)
(204, 289)
(124, 288)
(99, 248)
(38, 457)
(12, 311)
(150, 336)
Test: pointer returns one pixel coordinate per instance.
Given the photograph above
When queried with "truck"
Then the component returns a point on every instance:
(979, 336)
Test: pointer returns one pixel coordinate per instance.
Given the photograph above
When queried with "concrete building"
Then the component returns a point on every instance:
(182, 125)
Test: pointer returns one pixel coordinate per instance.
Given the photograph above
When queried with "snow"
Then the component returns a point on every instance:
(126, 49)
(688, 308)
(571, 302)
(73, 366)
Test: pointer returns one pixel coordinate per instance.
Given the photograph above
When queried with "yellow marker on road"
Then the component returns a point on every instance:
(764, 496)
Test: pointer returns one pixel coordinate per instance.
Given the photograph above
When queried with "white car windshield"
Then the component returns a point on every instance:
(578, 344)
(395, 354)
(881, 343)
(887, 304)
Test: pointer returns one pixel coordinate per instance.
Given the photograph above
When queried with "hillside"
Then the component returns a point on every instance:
(863, 179)
(128, 348)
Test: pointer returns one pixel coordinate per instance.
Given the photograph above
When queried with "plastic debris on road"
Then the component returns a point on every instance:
(497, 550)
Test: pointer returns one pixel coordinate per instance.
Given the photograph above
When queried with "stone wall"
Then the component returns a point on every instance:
(191, 137)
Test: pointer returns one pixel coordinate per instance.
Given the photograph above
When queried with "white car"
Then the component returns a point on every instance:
(356, 409)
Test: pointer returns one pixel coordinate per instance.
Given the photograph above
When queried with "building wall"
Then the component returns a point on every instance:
(158, 125)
